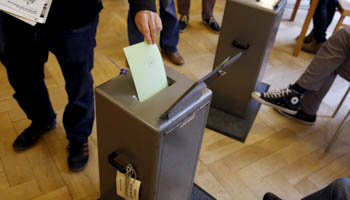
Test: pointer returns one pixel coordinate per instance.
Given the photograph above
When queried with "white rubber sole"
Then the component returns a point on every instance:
(294, 118)
(256, 96)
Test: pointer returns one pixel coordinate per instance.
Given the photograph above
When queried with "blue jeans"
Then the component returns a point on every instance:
(337, 190)
(26, 52)
(169, 36)
(323, 16)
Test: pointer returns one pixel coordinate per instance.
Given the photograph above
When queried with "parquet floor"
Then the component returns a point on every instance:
(280, 155)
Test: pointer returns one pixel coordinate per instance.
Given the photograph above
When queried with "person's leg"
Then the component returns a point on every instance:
(74, 51)
(2, 39)
(135, 36)
(25, 54)
(332, 59)
(311, 100)
(320, 74)
(337, 190)
(320, 20)
(169, 36)
(183, 7)
(207, 8)
(331, 8)
(207, 15)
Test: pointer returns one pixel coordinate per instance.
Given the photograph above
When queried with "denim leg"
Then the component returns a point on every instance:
(135, 36)
(75, 52)
(331, 7)
(24, 56)
(169, 37)
(323, 14)
(337, 190)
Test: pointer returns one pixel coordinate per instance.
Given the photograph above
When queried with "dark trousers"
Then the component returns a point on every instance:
(332, 58)
(337, 190)
(169, 36)
(26, 52)
(183, 7)
(2, 39)
(323, 16)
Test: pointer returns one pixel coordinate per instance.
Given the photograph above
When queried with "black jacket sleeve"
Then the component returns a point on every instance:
(137, 5)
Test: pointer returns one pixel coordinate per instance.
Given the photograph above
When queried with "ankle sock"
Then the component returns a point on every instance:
(296, 87)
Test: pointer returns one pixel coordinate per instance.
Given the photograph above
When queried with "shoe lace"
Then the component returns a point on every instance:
(278, 93)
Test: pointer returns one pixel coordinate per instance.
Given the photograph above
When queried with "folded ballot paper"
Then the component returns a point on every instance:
(29, 11)
(147, 69)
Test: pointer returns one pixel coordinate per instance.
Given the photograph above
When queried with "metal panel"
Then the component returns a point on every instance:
(248, 22)
(163, 152)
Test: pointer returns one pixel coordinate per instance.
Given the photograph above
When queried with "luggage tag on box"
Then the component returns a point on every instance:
(127, 184)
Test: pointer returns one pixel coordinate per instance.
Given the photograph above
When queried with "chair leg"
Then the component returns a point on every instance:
(337, 132)
(341, 102)
(295, 10)
(340, 22)
(307, 21)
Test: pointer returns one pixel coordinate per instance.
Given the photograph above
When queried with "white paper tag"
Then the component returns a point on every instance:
(133, 188)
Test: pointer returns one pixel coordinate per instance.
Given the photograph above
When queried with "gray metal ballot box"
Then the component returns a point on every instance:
(251, 26)
(164, 152)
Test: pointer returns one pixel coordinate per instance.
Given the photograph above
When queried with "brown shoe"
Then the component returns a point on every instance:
(311, 47)
(175, 58)
(308, 38)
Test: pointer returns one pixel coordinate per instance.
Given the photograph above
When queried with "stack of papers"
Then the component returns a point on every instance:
(29, 11)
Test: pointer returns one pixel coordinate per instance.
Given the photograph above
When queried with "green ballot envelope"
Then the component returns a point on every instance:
(147, 69)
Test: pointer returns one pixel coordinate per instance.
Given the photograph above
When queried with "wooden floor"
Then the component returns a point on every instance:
(280, 155)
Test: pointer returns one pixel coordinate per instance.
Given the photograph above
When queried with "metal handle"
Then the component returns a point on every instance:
(240, 45)
(111, 160)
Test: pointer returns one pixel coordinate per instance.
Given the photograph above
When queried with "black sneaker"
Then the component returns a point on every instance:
(300, 116)
(183, 21)
(286, 99)
(271, 196)
(78, 156)
(31, 135)
(212, 24)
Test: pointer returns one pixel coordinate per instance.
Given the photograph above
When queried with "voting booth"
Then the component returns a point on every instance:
(162, 145)
(249, 26)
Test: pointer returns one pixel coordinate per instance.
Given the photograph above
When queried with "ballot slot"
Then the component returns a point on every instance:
(170, 83)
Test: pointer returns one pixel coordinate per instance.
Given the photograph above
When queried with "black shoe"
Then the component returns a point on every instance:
(286, 99)
(271, 196)
(300, 116)
(78, 156)
(212, 24)
(183, 21)
(31, 135)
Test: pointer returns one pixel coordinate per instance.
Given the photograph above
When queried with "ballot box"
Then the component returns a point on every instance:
(249, 26)
(160, 137)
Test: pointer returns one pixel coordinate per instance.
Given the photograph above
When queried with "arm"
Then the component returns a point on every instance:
(146, 19)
